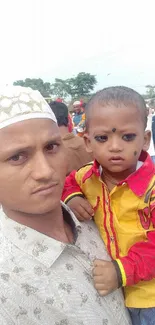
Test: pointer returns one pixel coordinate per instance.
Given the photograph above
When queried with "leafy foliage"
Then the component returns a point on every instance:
(36, 84)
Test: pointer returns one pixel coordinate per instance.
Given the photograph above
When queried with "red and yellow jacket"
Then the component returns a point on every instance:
(125, 218)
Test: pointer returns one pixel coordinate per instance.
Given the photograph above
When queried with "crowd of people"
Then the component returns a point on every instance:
(77, 216)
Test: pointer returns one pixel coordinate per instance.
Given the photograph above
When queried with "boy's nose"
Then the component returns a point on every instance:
(115, 145)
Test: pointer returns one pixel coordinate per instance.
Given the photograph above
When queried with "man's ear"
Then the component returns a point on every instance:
(147, 139)
(87, 142)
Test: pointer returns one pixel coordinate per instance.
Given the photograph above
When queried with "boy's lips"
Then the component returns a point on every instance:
(116, 159)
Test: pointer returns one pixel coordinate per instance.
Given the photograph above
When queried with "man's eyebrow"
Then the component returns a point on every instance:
(14, 150)
(22, 147)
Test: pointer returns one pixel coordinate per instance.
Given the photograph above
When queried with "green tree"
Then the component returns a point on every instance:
(76, 87)
(150, 92)
(61, 88)
(36, 84)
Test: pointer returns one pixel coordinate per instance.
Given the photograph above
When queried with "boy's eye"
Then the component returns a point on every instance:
(129, 137)
(101, 138)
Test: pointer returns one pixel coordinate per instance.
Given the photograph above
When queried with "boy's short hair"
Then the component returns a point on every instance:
(116, 96)
(61, 112)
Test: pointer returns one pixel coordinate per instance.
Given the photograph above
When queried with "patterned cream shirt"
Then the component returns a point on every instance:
(46, 282)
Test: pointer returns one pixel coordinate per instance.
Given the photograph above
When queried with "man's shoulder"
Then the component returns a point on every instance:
(71, 140)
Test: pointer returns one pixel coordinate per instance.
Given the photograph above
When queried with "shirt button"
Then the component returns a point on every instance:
(112, 239)
(107, 202)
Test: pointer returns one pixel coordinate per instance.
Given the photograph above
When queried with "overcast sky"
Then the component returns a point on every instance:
(113, 39)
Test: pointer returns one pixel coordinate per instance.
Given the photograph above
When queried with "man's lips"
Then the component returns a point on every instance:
(45, 189)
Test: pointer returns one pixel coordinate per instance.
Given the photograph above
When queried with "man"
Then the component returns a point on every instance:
(150, 125)
(78, 110)
(45, 253)
(75, 148)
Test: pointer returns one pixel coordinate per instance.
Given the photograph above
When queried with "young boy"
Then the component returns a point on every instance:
(118, 190)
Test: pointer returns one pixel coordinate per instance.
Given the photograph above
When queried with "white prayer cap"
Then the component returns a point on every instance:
(20, 103)
(77, 103)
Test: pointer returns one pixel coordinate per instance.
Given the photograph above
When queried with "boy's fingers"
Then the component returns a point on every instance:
(97, 271)
(100, 286)
(103, 293)
(87, 207)
(101, 263)
(99, 280)
(84, 213)
(81, 214)
(78, 216)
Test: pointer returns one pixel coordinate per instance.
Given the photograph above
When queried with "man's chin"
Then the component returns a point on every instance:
(46, 208)
(40, 209)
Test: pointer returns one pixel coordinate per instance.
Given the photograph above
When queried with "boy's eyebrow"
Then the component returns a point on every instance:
(128, 128)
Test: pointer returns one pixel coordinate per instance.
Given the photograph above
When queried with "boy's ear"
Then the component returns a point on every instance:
(147, 139)
(87, 142)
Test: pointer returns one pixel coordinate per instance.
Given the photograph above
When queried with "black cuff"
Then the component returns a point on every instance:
(119, 275)
(71, 197)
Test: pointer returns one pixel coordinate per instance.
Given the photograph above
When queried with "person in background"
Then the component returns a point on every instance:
(46, 255)
(78, 112)
(70, 123)
(75, 147)
(150, 125)
(153, 128)
(81, 128)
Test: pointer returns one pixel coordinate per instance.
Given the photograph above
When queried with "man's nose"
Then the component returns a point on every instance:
(42, 169)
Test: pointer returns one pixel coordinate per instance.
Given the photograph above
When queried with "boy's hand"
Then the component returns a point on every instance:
(105, 277)
(81, 208)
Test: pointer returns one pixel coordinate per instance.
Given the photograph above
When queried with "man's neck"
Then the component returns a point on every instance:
(51, 224)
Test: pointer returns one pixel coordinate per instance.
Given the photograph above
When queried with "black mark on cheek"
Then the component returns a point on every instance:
(135, 153)
(113, 130)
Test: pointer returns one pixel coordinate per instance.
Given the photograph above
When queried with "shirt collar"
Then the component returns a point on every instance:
(41, 247)
(95, 169)
(138, 181)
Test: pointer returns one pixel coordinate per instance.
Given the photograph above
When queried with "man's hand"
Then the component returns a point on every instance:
(105, 277)
(81, 208)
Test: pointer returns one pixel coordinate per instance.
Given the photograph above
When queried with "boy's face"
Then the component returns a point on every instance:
(116, 137)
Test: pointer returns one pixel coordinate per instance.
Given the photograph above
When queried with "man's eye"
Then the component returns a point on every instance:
(101, 138)
(17, 159)
(129, 137)
(52, 147)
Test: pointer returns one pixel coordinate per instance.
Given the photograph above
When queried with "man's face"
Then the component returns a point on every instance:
(77, 109)
(32, 166)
